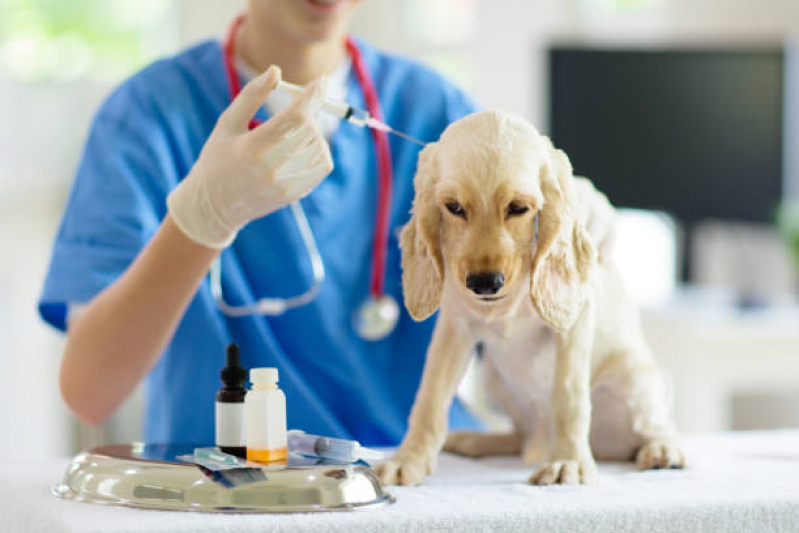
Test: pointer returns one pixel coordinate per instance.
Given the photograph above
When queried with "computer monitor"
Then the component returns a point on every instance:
(697, 133)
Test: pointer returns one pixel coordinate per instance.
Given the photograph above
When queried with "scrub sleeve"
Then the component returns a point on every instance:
(116, 206)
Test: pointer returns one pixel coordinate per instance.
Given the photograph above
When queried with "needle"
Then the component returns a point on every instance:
(359, 117)
(407, 137)
(376, 124)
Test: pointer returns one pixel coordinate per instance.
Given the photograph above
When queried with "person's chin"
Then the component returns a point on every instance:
(317, 21)
(329, 12)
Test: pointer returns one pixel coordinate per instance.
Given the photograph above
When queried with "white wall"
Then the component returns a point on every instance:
(735, 18)
(43, 129)
(33, 419)
(505, 54)
(202, 19)
(507, 50)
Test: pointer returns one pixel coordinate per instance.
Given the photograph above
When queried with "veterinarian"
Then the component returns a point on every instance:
(175, 174)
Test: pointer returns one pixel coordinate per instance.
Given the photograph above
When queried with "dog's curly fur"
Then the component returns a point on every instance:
(563, 348)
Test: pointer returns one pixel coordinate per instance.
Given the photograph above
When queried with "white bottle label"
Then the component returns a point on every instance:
(230, 430)
(266, 420)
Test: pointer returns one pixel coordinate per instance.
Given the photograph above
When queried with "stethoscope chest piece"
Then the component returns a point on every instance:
(376, 318)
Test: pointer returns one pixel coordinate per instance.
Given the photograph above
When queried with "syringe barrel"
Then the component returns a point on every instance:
(324, 447)
(301, 443)
(334, 107)
(337, 449)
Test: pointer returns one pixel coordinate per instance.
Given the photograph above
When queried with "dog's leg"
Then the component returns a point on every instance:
(632, 415)
(447, 359)
(538, 444)
(570, 460)
(477, 444)
(649, 402)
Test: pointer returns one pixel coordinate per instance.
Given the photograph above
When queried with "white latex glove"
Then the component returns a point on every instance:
(242, 175)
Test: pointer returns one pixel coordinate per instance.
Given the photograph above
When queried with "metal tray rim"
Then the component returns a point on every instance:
(64, 492)
(154, 466)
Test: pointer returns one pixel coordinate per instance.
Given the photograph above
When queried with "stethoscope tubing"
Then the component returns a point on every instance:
(278, 306)
(275, 306)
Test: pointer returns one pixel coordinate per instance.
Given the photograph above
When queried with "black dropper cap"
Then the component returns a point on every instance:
(233, 375)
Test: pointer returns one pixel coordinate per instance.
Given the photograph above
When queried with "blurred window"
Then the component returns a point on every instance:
(64, 40)
(441, 31)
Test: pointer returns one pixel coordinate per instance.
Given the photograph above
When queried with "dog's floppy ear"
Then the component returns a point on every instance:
(422, 262)
(564, 252)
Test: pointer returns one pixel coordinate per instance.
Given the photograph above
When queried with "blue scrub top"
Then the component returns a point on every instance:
(145, 138)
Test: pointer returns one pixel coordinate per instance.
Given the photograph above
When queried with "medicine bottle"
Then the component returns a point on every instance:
(265, 410)
(230, 406)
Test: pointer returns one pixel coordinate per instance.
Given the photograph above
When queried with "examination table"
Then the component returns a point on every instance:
(736, 482)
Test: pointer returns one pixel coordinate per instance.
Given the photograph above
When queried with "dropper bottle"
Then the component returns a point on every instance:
(230, 426)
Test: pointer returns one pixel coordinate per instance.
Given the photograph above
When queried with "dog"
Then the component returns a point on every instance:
(517, 253)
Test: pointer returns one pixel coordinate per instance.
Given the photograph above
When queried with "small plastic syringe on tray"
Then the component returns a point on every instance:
(348, 451)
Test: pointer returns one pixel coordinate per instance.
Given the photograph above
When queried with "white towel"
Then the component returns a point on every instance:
(737, 482)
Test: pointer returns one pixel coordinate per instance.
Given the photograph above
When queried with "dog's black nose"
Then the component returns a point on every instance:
(485, 282)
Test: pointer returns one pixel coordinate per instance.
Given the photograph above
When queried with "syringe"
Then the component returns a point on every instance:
(329, 448)
(353, 115)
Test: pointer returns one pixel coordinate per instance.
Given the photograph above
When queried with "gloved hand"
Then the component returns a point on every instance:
(242, 175)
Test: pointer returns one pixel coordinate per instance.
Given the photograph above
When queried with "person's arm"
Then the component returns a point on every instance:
(115, 341)
(240, 176)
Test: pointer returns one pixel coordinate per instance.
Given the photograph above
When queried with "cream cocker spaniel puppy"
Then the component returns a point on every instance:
(516, 252)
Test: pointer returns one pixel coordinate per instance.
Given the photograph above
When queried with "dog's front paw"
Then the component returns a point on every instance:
(660, 454)
(406, 468)
(565, 472)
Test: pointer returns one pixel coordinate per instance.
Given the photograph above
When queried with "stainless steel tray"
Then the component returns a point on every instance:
(148, 476)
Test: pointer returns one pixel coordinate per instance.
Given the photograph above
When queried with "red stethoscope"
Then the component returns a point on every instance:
(378, 315)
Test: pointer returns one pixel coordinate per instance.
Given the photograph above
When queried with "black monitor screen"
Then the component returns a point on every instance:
(697, 133)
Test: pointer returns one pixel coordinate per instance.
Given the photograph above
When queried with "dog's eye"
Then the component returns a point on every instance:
(456, 209)
(515, 209)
